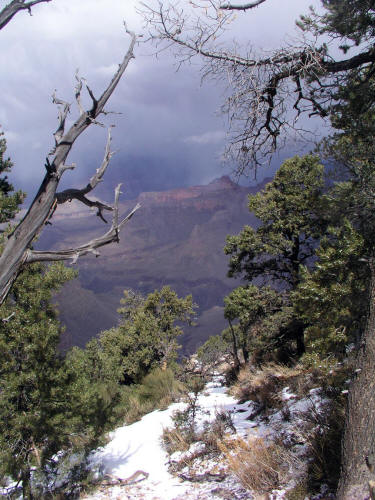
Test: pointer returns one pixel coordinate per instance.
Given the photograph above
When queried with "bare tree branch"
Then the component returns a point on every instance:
(16, 249)
(79, 194)
(6, 320)
(10, 10)
(246, 6)
(73, 254)
(268, 93)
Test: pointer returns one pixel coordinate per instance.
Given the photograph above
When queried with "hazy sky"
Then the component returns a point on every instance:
(169, 133)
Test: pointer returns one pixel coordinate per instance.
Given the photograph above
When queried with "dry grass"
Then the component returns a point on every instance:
(260, 466)
(158, 390)
(216, 431)
(324, 441)
(136, 409)
(263, 385)
(175, 439)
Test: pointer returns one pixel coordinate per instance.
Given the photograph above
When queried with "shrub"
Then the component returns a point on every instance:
(157, 391)
(213, 353)
(176, 439)
(183, 433)
(214, 432)
(160, 387)
(325, 444)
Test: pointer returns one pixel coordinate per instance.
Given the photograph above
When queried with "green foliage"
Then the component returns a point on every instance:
(145, 339)
(157, 390)
(94, 391)
(352, 21)
(331, 298)
(249, 306)
(212, 352)
(292, 221)
(34, 395)
(291, 210)
(9, 203)
(160, 387)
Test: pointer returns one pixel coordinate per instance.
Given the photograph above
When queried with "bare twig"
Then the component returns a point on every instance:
(267, 93)
(79, 194)
(6, 320)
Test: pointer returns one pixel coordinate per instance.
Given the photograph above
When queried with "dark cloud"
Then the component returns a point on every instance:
(169, 132)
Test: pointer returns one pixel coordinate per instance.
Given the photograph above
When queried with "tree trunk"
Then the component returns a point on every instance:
(26, 484)
(234, 348)
(358, 448)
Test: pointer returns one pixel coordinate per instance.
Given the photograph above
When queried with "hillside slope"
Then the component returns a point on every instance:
(175, 239)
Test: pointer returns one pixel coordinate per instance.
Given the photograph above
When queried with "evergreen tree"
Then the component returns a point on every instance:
(10, 201)
(292, 218)
(331, 299)
(246, 309)
(353, 147)
(42, 410)
(33, 388)
(145, 338)
(289, 209)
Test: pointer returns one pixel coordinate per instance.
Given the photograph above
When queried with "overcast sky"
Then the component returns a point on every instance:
(169, 133)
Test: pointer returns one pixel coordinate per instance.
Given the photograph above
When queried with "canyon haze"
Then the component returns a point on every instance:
(176, 238)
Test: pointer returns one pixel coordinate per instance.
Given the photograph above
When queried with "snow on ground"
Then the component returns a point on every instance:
(138, 447)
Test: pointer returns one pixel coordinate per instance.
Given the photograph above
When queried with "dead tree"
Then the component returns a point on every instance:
(17, 250)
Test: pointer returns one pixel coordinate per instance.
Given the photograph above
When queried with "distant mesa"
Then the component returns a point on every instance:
(223, 182)
(180, 194)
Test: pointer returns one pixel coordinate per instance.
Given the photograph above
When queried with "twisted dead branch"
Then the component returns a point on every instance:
(17, 252)
(111, 236)
(10, 10)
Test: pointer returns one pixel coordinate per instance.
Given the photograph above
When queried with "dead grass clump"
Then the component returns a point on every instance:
(174, 439)
(214, 432)
(263, 385)
(136, 409)
(260, 466)
(324, 442)
(158, 390)
(298, 492)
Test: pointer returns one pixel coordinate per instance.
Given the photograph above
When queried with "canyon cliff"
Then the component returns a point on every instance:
(176, 239)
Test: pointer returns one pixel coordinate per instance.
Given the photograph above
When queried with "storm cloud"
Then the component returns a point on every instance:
(169, 132)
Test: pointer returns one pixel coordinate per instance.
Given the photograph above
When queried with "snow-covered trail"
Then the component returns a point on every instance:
(138, 447)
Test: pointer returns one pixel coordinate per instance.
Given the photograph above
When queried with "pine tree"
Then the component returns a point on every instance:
(10, 201)
(33, 397)
(146, 337)
(331, 299)
(246, 309)
(39, 408)
(289, 209)
(353, 147)
(292, 218)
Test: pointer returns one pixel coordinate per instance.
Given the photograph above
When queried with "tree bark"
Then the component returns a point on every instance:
(237, 363)
(358, 448)
(26, 483)
(10, 10)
